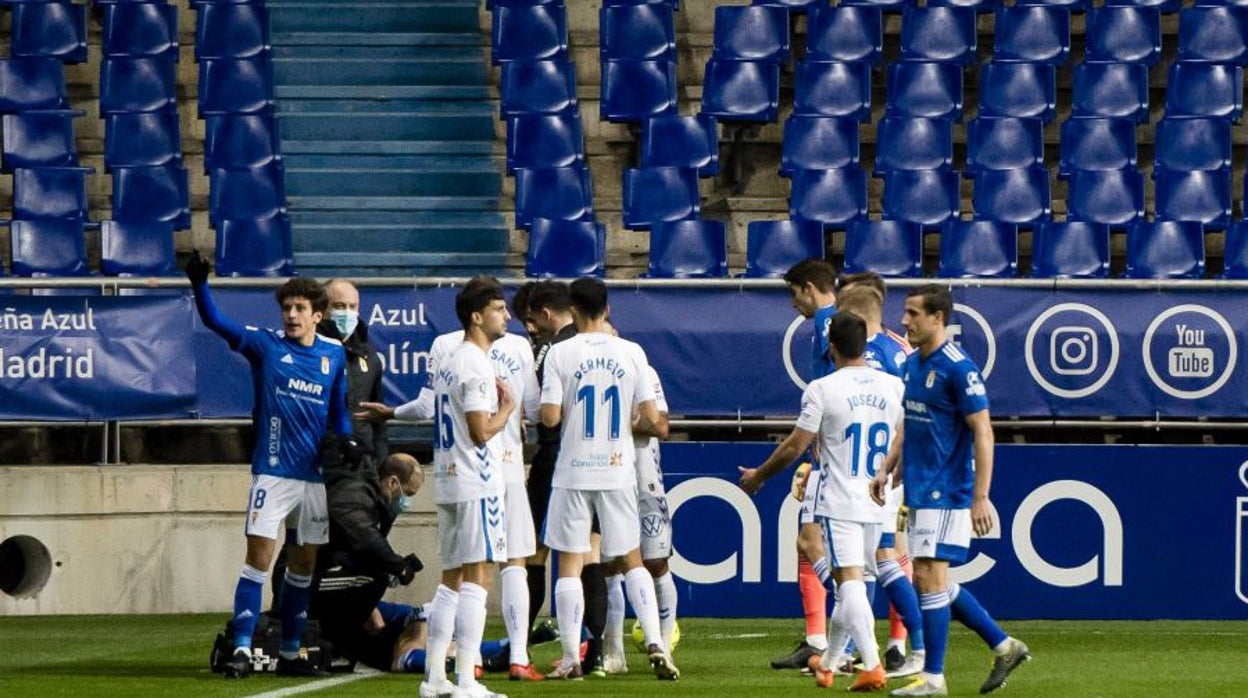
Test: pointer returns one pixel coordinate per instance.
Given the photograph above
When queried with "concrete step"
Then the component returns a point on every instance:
(394, 126)
(348, 108)
(465, 181)
(347, 38)
(389, 148)
(424, 220)
(429, 70)
(399, 238)
(351, 204)
(387, 53)
(383, 93)
(405, 263)
(387, 17)
(423, 163)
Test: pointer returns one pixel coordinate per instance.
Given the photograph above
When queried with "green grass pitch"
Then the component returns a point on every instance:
(105, 656)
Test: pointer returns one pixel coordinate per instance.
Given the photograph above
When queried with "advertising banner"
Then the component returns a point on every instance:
(1083, 532)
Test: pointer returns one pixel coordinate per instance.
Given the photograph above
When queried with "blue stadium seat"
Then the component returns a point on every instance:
(529, 32)
(1214, 35)
(537, 87)
(43, 138)
(771, 247)
(1193, 144)
(50, 192)
(254, 247)
(741, 90)
(1112, 197)
(912, 144)
(1205, 89)
(49, 29)
(980, 6)
(833, 89)
(1097, 144)
(845, 33)
(247, 192)
(137, 84)
(137, 248)
(945, 34)
(888, 248)
(1202, 195)
(885, 5)
(1165, 250)
(1070, 250)
(157, 193)
(142, 138)
(1032, 33)
(926, 197)
(671, 140)
(930, 90)
(31, 83)
(1072, 5)
(979, 249)
(240, 140)
(48, 247)
(1021, 90)
(231, 30)
(566, 249)
(535, 140)
(818, 143)
(751, 33)
(688, 250)
(235, 86)
(562, 193)
(1165, 6)
(653, 194)
(636, 90)
(1012, 196)
(637, 32)
(1113, 90)
(141, 29)
(830, 197)
(1118, 34)
(797, 7)
(1003, 143)
(1235, 252)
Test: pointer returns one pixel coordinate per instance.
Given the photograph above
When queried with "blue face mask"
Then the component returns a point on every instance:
(345, 320)
(400, 505)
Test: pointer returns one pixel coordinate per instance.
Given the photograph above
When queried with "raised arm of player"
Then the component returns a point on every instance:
(794, 444)
(981, 510)
(213, 319)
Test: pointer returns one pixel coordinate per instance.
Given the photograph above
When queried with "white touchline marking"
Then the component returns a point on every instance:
(362, 673)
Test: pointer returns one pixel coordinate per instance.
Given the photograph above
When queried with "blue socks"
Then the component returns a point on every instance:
(902, 596)
(293, 608)
(968, 612)
(936, 616)
(248, 597)
(823, 570)
(413, 662)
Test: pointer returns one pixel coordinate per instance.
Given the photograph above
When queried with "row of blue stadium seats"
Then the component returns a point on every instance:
(801, 6)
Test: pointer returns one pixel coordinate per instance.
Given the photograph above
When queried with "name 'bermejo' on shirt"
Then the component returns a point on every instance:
(462, 470)
(854, 412)
(596, 379)
(941, 392)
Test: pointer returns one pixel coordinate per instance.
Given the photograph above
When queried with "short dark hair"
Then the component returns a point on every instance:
(811, 271)
(936, 298)
(864, 278)
(304, 287)
(550, 294)
(476, 296)
(847, 333)
(520, 301)
(589, 296)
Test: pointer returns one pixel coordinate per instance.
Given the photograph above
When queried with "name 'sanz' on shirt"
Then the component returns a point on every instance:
(505, 361)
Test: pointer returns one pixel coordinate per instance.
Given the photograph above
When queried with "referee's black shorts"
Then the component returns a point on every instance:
(541, 473)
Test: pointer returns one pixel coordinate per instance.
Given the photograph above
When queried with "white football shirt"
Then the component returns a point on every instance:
(463, 471)
(596, 379)
(649, 470)
(855, 412)
(512, 356)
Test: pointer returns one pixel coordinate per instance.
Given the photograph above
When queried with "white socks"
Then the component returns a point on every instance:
(469, 627)
(515, 602)
(640, 587)
(665, 593)
(570, 610)
(856, 619)
(613, 637)
(441, 629)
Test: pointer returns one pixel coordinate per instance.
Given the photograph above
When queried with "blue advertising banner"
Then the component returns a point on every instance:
(1084, 532)
(95, 357)
(722, 351)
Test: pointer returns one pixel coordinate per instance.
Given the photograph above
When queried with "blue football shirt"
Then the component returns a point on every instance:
(941, 391)
(885, 353)
(821, 362)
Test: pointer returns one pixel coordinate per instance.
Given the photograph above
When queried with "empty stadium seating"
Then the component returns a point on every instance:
(741, 90)
(654, 194)
(751, 33)
(833, 89)
(1021, 90)
(142, 139)
(978, 249)
(39, 138)
(31, 83)
(636, 90)
(1113, 197)
(161, 193)
(1123, 34)
(1165, 250)
(1097, 144)
(535, 140)
(644, 31)
(566, 249)
(931, 90)
(560, 193)
(1012, 196)
(926, 197)
(1193, 144)
(688, 249)
(913, 144)
(888, 248)
(671, 140)
(239, 140)
(773, 246)
(141, 29)
(1003, 143)
(829, 197)
(944, 34)
(231, 30)
(1112, 90)
(254, 246)
(529, 32)
(137, 248)
(48, 247)
(50, 192)
(845, 33)
(818, 143)
(1033, 33)
(1072, 249)
(537, 87)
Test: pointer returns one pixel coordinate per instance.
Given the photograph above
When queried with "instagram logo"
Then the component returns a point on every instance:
(1073, 350)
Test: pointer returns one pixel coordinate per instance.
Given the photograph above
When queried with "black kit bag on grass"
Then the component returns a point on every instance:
(266, 642)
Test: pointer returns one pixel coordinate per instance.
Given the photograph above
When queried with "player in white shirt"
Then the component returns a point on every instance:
(591, 384)
(855, 413)
(512, 357)
(471, 406)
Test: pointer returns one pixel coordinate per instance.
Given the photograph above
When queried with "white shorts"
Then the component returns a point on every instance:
(940, 534)
(521, 539)
(472, 531)
(278, 503)
(850, 543)
(656, 528)
(806, 515)
(888, 534)
(571, 515)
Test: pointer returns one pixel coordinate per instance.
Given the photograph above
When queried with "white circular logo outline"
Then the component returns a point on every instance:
(1029, 345)
(1231, 359)
(989, 337)
(786, 352)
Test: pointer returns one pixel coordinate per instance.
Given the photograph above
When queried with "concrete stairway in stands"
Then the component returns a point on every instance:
(387, 132)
